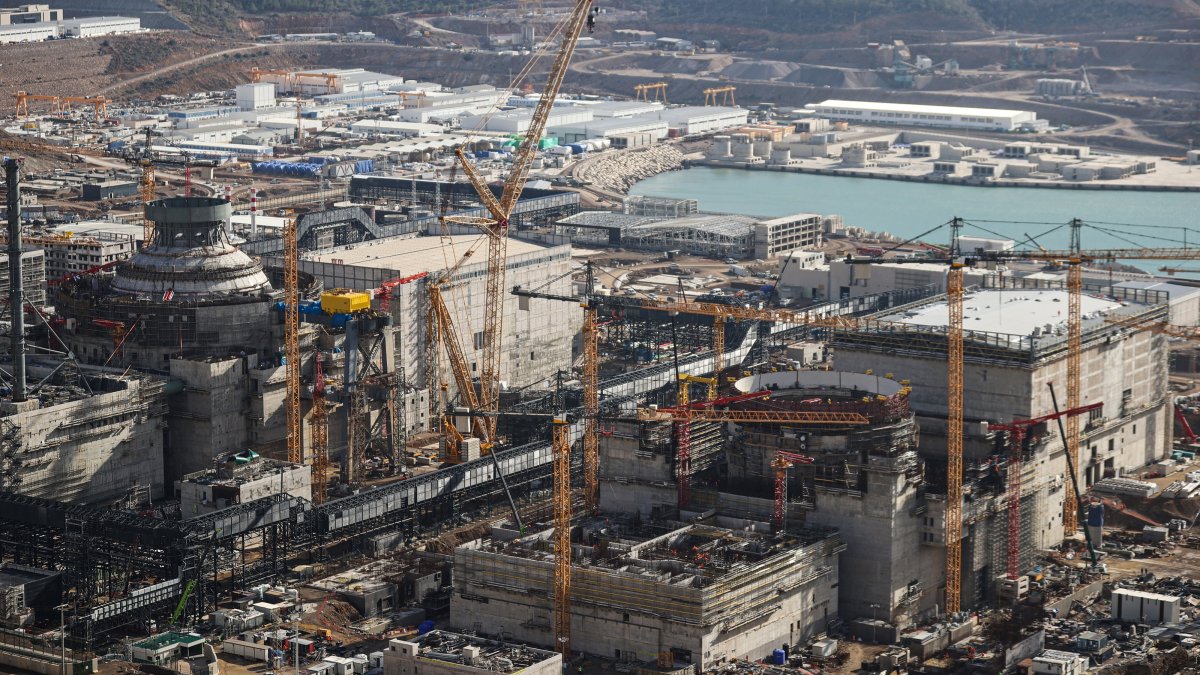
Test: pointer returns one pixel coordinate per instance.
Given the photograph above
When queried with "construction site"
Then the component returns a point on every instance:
(393, 420)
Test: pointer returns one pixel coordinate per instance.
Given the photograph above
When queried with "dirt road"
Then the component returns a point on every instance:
(173, 67)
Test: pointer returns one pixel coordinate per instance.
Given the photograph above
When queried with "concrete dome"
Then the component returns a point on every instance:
(191, 255)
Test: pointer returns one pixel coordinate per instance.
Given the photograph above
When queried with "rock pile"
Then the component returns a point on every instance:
(619, 171)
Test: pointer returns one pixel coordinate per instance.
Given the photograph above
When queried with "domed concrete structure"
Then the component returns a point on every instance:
(191, 256)
(191, 293)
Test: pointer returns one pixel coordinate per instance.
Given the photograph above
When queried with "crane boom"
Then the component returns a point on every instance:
(496, 228)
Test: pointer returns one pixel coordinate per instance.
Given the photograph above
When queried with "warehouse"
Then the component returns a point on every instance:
(870, 113)
(608, 128)
(394, 128)
(518, 121)
(693, 119)
(100, 25)
(27, 32)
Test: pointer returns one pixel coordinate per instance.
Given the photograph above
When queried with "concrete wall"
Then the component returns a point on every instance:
(208, 418)
(789, 597)
(400, 658)
(885, 551)
(93, 449)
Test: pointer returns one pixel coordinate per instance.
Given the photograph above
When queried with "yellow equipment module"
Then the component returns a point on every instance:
(342, 301)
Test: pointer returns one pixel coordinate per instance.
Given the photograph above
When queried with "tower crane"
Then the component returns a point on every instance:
(318, 428)
(561, 450)
(782, 462)
(291, 341)
(1017, 432)
(496, 226)
(591, 383)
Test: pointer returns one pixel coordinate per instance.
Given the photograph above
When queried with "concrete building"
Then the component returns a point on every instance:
(255, 95)
(109, 189)
(700, 593)
(243, 478)
(538, 336)
(870, 113)
(71, 252)
(837, 279)
(95, 26)
(90, 438)
(1015, 344)
(1184, 300)
(1133, 606)
(787, 233)
(33, 275)
(29, 14)
(442, 653)
(444, 106)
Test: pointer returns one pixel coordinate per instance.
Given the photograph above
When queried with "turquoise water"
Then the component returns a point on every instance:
(1149, 219)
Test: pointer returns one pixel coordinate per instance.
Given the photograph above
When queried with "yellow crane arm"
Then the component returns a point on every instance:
(523, 157)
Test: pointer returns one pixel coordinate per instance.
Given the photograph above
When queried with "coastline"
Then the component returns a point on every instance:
(960, 182)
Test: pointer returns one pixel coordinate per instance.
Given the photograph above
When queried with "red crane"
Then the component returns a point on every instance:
(1017, 430)
(1184, 426)
(384, 292)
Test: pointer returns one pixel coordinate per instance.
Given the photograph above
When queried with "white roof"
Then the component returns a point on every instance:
(418, 254)
(915, 108)
(1146, 595)
(1009, 311)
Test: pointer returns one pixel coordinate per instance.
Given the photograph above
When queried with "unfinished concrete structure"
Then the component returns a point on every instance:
(86, 436)
(700, 594)
(1015, 344)
(191, 292)
(243, 477)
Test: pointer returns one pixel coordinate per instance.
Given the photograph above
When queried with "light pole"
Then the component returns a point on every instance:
(296, 641)
(62, 638)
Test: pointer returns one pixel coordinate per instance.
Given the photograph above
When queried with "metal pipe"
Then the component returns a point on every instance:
(16, 290)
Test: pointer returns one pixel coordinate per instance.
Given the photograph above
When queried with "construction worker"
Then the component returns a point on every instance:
(591, 19)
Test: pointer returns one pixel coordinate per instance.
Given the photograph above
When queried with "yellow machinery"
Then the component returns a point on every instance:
(500, 209)
(727, 98)
(642, 91)
(343, 301)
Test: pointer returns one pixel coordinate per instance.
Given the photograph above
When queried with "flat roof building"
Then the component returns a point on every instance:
(442, 653)
(907, 114)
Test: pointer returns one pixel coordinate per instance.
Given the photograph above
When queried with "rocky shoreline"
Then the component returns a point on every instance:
(619, 171)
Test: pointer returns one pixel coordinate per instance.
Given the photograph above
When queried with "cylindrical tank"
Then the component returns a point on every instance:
(781, 156)
(763, 148)
(779, 657)
(721, 146)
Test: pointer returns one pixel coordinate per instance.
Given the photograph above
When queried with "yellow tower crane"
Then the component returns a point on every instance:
(291, 341)
(561, 449)
(500, 210)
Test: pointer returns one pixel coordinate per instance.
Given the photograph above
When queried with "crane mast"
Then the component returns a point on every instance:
(561, 448)
(291, 341)
(496, 227)
(954, 425)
